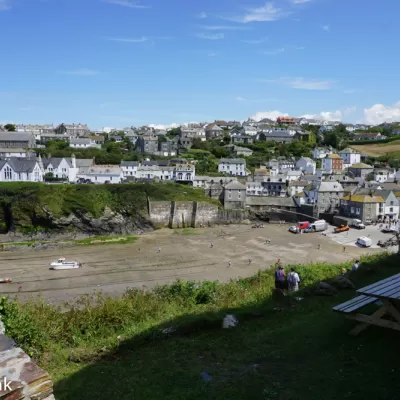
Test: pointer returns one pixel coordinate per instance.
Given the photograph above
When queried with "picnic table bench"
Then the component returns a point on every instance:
(385, 294)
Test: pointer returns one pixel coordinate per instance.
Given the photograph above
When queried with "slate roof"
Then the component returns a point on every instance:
(84, 162)
(232, 161)
(19, 164)
(361, 166)
(55, 161)
(363, 198)
(235, 185)
(129, 163)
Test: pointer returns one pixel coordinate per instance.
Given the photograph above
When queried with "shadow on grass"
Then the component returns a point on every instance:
(282, 348)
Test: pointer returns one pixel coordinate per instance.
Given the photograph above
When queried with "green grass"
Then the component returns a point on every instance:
(187, 232)
(105, 240)
(114, 348)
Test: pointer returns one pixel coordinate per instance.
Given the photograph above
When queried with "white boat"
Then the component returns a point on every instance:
(61, 263)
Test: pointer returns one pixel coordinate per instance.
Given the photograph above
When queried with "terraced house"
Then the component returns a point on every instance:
(365, 207)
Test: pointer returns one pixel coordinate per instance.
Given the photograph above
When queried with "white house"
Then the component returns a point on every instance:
(65, 167)
(332, 163)
(184, 173)
(150, 172)
(21, 170)
(321, 152)
(83, 143)
(350, 157)
(101, 173)
(296, 187)
(19, 153)
(129, 169)
(232, 166)
(307, 165)
(382, 175)
(250, 130)
(255, 189)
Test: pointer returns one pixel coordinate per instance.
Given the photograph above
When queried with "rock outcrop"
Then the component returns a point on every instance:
(20, 377)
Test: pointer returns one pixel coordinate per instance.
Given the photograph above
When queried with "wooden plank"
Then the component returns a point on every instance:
(377, 284)
(361, 327)
(390, 293)
(352, 302)
(391, 309)
(369, 320)
(359, 305)
(381, 288)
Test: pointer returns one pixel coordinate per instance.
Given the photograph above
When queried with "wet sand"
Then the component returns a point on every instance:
(114, 268)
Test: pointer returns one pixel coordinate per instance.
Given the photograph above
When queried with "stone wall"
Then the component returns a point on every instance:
(182, 214)
(20, 377)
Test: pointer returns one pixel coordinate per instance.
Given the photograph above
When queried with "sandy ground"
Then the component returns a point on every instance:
(114, 268)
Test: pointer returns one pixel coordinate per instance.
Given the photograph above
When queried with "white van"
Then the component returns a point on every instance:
(364, 241)
(317, 226)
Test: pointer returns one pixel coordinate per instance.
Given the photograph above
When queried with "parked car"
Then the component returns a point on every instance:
(299, 227)
(342, 228)
(357, 223)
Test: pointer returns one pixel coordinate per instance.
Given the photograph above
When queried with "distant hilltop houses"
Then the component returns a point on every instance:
(290, 164)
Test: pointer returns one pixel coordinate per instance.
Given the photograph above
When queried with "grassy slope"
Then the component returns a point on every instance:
(301, 352)
(376, 150)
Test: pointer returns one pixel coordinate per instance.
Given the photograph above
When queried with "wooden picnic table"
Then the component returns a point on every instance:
(385, 294)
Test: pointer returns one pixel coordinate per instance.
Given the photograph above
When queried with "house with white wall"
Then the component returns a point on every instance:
(382, 175)
(129, 169)
(184, 173)
(101, 173)
(79, 143)
(321, 152)
(307, 165)
(61, 167)
(21, 170)
(232, 166)
(350, 157)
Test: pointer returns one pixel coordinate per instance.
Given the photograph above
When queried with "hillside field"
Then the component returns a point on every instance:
(379, 149)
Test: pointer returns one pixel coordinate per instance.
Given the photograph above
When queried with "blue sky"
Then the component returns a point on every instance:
(125, 62)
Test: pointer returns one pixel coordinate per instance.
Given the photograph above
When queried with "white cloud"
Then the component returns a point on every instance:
(268, 12)
(5, 5)
(325, 115)
(215, 36)
(300, 1)
(326, 28)
(126, 3)
(211, 54)
(255, 41)
(166, 127)
(303, 83)
(224, 27)
(80, 72)
(273, 52)
(268, 114)
(130, 40)
(380, 113)
(202, 15)
(349, 91)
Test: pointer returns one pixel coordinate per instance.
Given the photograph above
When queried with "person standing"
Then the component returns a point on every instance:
(293, 280)
(279, 277)
(355, 266)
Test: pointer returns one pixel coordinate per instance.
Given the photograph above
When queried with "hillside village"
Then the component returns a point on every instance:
(289, 164)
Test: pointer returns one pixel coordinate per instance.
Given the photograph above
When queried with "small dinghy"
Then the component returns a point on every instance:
(61, 263)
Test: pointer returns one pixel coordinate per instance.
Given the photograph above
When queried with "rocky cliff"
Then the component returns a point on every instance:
(98, 209)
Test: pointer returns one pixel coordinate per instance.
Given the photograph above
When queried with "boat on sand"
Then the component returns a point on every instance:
(61, 263)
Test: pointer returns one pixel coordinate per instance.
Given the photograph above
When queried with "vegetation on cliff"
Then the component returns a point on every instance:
(31, 206)
(153, 345)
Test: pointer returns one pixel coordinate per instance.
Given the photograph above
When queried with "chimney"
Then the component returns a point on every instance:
(73, 161)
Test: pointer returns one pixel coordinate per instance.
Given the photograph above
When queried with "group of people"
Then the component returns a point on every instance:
(290, 282)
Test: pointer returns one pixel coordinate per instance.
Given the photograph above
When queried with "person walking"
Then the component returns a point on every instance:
(293, 280)
(249, 261)
(279, 277)
(229, 264)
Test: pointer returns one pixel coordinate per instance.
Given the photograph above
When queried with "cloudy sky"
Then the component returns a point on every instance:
(126, 62)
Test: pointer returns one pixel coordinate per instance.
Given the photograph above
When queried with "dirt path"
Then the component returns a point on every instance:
(113, 268)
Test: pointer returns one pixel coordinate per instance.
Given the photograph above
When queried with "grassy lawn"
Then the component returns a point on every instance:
(301, 350)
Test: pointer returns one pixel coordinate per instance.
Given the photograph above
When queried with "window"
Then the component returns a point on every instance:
(391, 203)
(188, 176)
(352, 210)
(391, 209)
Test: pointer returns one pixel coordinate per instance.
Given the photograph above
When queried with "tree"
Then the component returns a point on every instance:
(174, 132)
(10, 127)
(226, 139)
